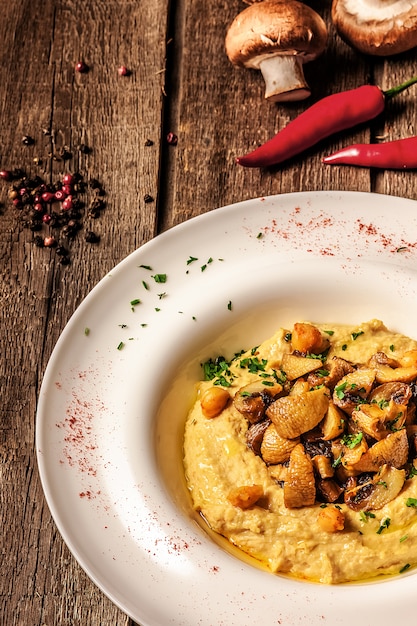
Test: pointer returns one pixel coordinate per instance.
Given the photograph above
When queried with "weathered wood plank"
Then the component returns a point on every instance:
(40, 42)
(222, 113)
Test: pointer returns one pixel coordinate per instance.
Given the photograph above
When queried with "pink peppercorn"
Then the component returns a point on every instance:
(67, 189)
(68, 179)
(48, 196)
(6, 175)
(172, 139)
(38, 207)
(49, 242)
(60, 195)
(46, 218)
(81, 67)
(67, 203)
(123, 71)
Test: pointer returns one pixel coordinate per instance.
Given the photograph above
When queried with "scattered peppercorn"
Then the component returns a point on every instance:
(49, 242)
(172, 139)
(123, 71)
(148, 143)
(84, 149)
(6, 175)
(55, 208)
(81, 67)
(147, 198)
(92, 237)
(27, 140)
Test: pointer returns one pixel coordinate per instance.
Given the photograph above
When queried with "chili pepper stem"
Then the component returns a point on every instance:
(391, 93)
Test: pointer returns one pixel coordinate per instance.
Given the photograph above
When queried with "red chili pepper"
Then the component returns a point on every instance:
(324, 118)
(395, 155)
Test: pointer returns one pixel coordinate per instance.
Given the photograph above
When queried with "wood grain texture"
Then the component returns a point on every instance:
(182, 82)
(115, 116)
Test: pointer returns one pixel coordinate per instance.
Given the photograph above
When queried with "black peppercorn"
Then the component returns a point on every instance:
(27, 140)
(91, 237)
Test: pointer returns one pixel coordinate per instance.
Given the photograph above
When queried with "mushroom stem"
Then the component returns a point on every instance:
(284, 78)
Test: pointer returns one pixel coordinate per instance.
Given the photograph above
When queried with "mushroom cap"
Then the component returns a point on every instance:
(376, 27)
(275, 27)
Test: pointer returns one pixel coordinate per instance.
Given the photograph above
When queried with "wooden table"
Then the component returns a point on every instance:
(180, 82)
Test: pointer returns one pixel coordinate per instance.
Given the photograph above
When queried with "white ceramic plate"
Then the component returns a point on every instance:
(114, 398)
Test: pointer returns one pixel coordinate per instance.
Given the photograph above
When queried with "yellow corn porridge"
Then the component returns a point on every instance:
(302, 451)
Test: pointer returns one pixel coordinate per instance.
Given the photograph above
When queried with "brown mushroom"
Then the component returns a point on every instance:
(277, 37)
(253, 399)
(377, 27)
(376, 491)
(393, 450)
(294, 415)
(299, 486)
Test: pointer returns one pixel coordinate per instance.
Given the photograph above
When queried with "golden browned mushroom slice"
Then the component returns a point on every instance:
(379, 422)
(400, 393)
(296, 366)
(353, 389)
(328, 489)
(274, 448)
(387, 371)
(294, 415)
(336, 368)
(253, 399)
(334, 422)
(377, 491)
(393, 450)
(299, 486)
(277, 37)
(377, 27)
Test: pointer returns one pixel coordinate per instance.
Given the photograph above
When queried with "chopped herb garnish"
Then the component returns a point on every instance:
(160, 278)
(405, 568)
(229, 305)
(402, 249)
(344, 347)
(404, 538)
(337, 461)
(366, 515)
(259, 236)
(86, 331)
(162, 295)
(145, 284)
(351, 441)
(254, 365)
(146, 267)
(340, 390)
(191, 259)
(287, 337)
(120, 346)
(204, 267)
(329, 332)
(384, 525)
(412, 472)
(411, 502)
(357, 334)
(135, 302)
(122, 325)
